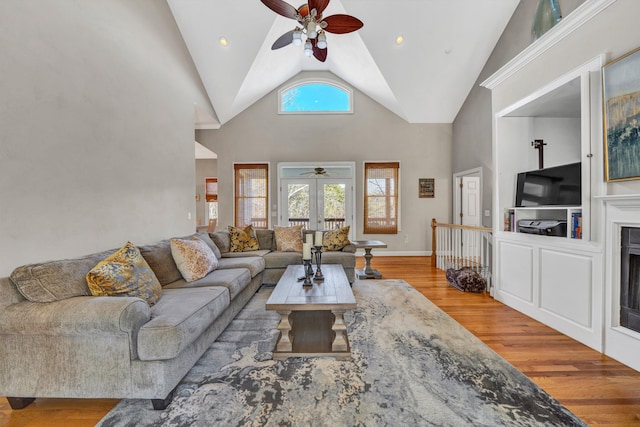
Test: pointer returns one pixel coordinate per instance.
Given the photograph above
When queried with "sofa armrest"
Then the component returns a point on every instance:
(77, 316)
(349, 248)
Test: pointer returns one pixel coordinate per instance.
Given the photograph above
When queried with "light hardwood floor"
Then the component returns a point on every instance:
(596, 388)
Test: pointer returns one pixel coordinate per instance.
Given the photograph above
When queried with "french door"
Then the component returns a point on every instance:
(316, 203)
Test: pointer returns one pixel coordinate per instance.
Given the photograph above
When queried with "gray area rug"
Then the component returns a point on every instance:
(412, 365)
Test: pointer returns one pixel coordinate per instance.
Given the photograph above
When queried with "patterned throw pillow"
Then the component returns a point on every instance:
(335, 240)
(243, 239)
(194, 258)
(125, 273)
(288, 239)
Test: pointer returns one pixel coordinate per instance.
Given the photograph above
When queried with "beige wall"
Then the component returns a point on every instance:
(96, 127)
(372, 133)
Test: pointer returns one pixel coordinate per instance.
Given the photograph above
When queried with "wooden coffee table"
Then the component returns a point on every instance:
(312, 317)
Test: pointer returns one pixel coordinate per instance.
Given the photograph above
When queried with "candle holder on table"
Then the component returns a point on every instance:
(317, 253)
(308, 272)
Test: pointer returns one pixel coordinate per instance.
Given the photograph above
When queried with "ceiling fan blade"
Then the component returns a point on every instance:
(341, 24)
(281, 8)
(319, 54)
(318, 5)
(283, 40)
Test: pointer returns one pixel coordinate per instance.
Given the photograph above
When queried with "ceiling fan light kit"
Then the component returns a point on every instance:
(312, 25)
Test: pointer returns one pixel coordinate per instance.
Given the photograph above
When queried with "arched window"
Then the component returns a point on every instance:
(315, 97)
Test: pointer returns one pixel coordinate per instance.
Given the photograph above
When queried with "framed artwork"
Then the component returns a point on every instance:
(621, 115)
(426, 187)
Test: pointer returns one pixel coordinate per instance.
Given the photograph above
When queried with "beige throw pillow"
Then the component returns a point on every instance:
(193, 257)
(288, 239)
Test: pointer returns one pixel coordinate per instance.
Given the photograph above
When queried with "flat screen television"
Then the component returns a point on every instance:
(555, 186)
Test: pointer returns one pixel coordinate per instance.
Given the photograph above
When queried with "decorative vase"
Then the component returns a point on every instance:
(547, 15)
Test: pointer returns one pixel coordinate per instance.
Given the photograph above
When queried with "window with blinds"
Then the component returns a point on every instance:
(211, 189)
(251, 189)
(381, 197)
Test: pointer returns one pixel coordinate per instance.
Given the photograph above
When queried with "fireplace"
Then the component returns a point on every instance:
(630, 278)
(621, 335)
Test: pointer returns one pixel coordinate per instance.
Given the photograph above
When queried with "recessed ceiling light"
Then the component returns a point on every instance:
(399, 40)
(224, 42)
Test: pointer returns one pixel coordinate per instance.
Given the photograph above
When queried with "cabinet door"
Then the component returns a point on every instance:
(515, 272)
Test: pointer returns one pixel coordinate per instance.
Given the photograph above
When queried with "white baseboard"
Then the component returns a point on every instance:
(376, 252)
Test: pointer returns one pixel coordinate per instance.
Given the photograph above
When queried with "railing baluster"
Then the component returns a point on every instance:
(456, 246)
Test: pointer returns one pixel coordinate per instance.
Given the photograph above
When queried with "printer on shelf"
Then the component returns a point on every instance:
(545, 227)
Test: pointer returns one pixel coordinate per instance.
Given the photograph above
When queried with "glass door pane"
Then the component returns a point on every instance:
(317, 203)
(299, 203)
(334, 206)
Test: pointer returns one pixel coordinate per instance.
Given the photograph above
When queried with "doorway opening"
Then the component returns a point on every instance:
(467, 197)
(317, 196)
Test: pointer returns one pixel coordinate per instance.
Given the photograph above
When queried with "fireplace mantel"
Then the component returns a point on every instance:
(619, 342)
(619, 198)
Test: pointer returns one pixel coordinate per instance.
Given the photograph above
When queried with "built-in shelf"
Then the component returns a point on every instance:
(555, 278)
(571, 215)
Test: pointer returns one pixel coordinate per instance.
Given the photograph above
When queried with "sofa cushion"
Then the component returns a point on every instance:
(159, 258)
(234, 279)
(125, 273)
(265, 239)
(282, 259)
(346, 259)
(178, 319)
(288, 239)
(222, 239)
(335, 240)
(193, 257)
(255, 264)
(248, 254)
(56, 280)
(243, 239)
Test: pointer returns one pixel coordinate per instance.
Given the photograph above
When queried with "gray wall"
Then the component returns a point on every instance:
(372, 133)
(472, 129)
(96, 127)
(613, 32)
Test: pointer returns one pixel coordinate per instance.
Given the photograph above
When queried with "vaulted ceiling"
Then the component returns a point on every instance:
(425, 79)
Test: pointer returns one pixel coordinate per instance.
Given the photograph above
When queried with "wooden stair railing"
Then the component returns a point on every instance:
(456, 246)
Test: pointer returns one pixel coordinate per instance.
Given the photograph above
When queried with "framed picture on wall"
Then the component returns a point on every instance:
(426, 187)
(621, 115)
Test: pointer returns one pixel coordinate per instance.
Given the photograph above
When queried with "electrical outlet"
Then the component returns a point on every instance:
(487, 213)
(189, 215)
(406, 238)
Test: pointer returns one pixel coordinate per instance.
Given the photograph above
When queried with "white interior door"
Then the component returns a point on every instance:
(470, 201)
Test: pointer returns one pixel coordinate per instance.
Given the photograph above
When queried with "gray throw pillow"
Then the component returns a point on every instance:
(56, 280)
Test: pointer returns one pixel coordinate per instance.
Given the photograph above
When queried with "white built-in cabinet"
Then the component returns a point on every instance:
(556, 280)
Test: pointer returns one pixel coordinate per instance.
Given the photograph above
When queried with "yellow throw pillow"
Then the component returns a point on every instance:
(288, 239)
(194, 258)
(125, 273)
(243, 239)
(335, 240)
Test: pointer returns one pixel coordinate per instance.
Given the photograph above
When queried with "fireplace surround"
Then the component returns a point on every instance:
(630, 278)
(621, 303)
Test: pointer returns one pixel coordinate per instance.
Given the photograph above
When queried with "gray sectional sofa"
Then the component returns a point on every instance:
(59, 341)
(276, 262)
